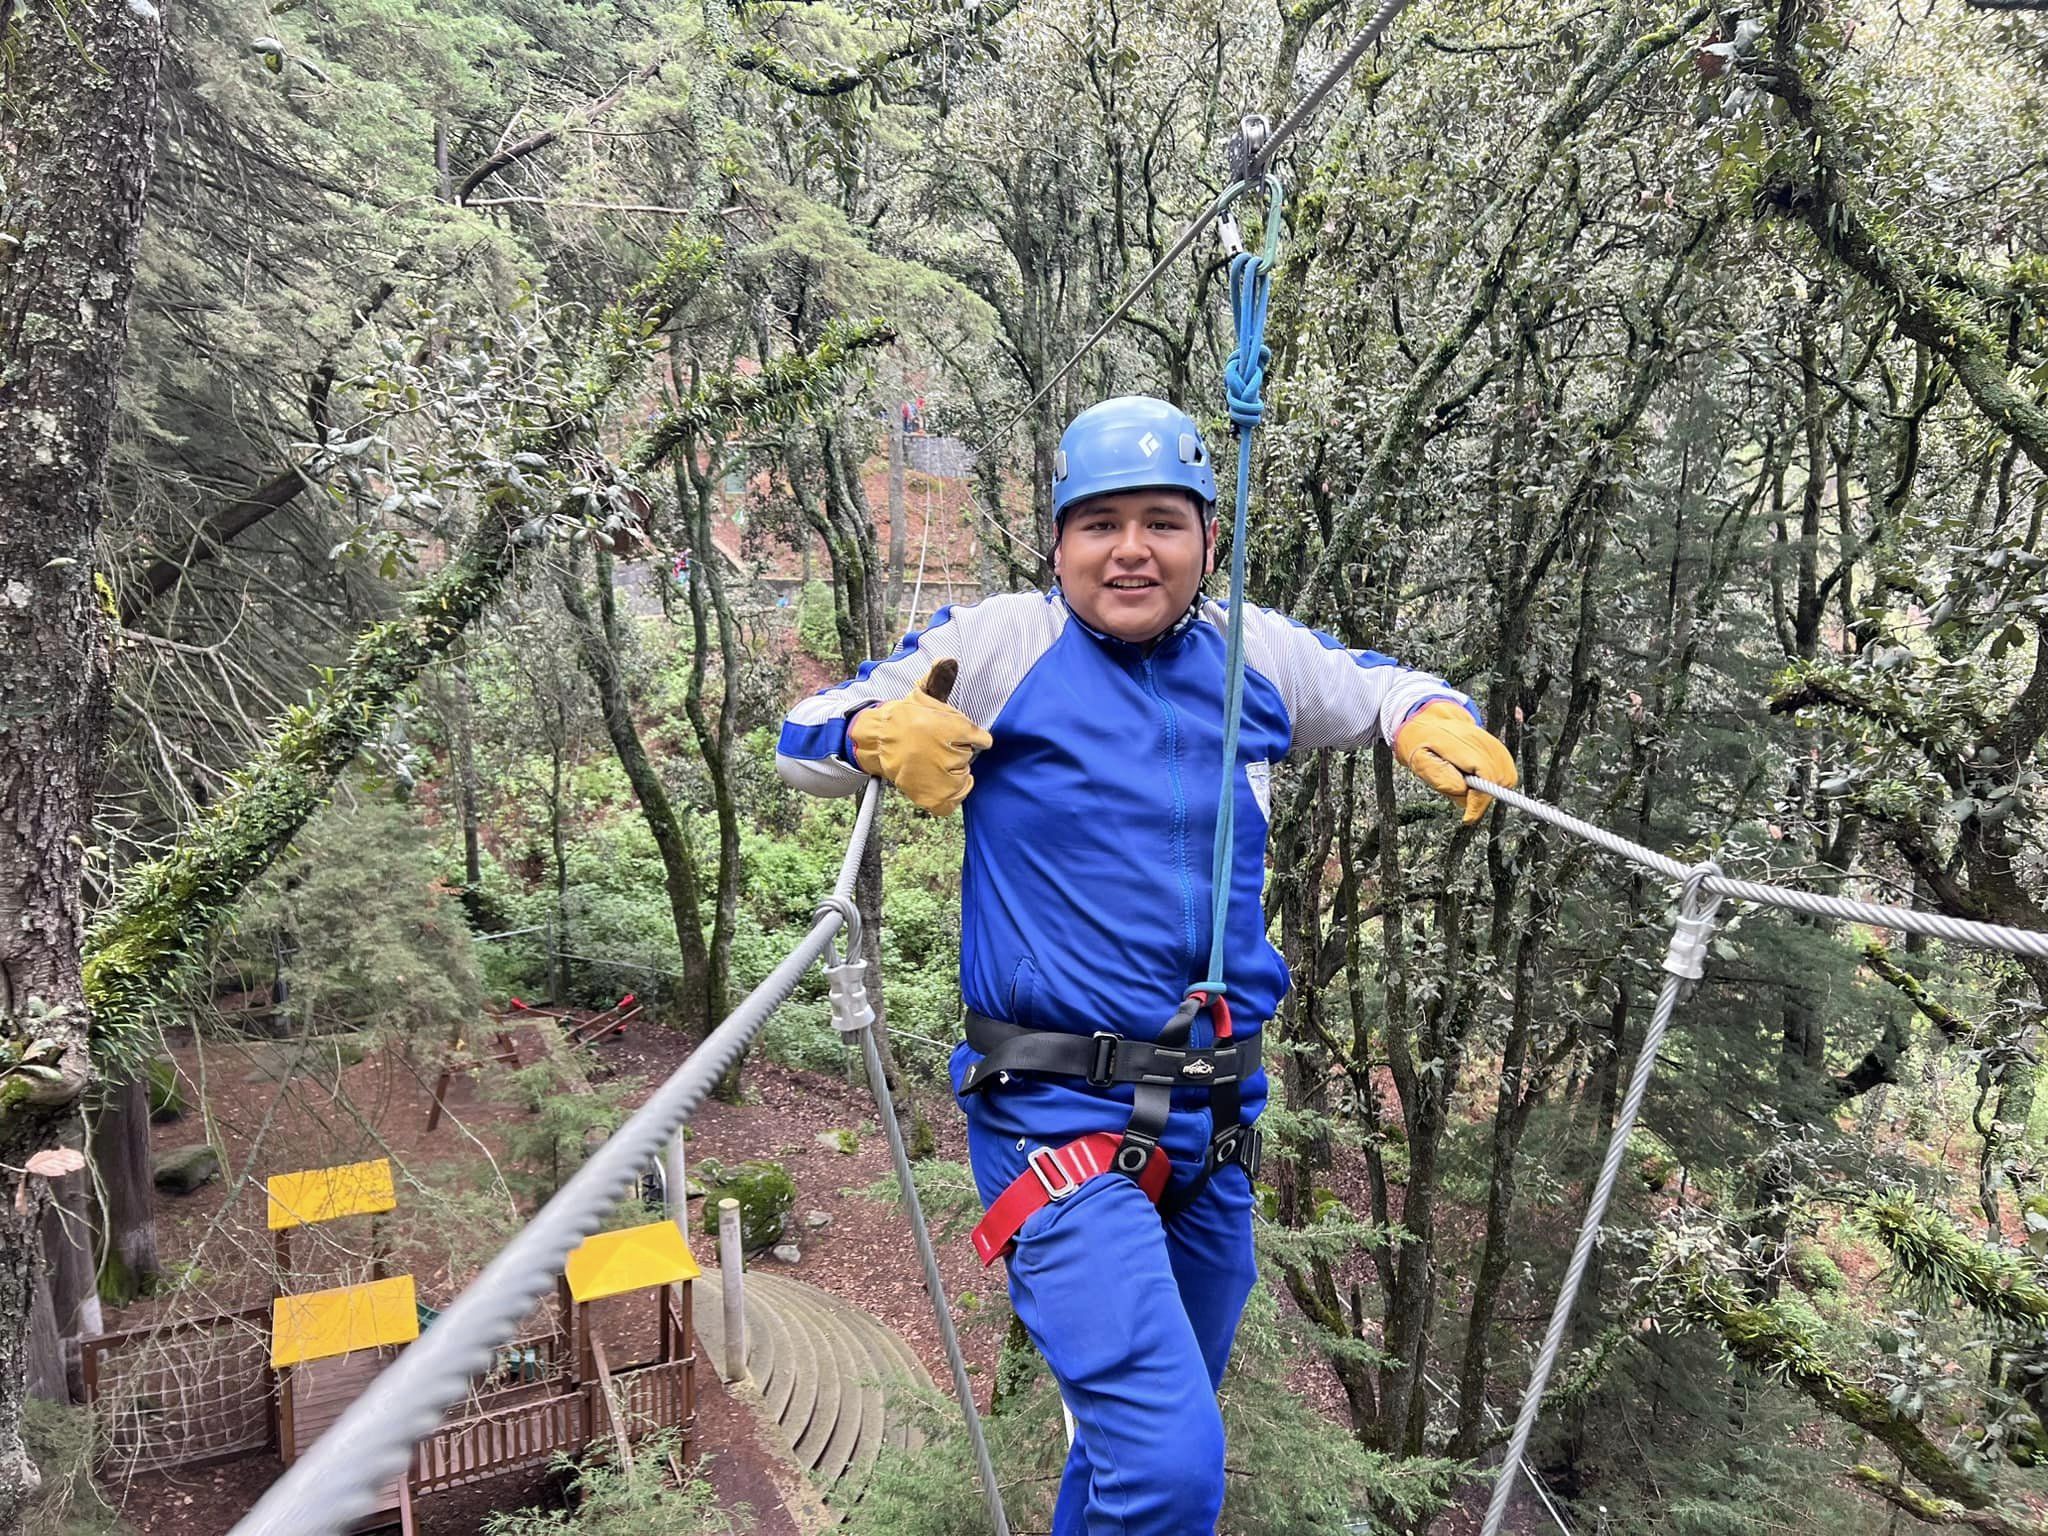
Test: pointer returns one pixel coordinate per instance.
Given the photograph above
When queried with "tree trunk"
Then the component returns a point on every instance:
(67, 1261)
(75, 143)
(558, 847)
(597, 645)
(468, 787)
(899, 530)
(128, 1255)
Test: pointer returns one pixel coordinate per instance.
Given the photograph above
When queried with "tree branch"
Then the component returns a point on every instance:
(765, 58)
(511, 154)
(1828, 206)
(1952, 1025)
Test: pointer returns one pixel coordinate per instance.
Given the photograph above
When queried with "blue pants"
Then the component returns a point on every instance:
(1136, 1318)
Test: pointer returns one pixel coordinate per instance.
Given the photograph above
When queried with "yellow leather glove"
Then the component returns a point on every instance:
(1441, 743)
(921, 744)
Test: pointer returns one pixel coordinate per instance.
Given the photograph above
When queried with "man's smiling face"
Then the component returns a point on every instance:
(1131, 562)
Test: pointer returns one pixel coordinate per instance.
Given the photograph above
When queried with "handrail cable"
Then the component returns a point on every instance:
(1705, 887)
(335, 1483)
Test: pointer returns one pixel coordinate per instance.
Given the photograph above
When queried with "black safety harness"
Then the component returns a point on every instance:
(1154, 1067)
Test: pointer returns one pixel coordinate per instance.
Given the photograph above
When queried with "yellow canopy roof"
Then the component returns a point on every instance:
(612, 1263)
(326, 1194)
(317, 1324)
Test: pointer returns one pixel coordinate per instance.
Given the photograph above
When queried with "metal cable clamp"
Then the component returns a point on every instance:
(846, 973)
(1694, 930)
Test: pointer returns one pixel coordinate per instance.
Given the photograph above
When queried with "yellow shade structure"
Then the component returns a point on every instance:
(317, 1324)
(327, 1194)
(637, 1259)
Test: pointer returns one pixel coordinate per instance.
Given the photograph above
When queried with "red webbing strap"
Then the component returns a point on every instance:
(1054, 1174)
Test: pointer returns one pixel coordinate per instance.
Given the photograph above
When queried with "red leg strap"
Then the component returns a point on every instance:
(1055, 1173)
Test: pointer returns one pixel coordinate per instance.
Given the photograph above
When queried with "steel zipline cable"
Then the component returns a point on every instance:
(335, 1482)
(1254, 173)
(1705, 887)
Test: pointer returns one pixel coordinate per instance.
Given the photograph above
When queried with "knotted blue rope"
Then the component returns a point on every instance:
(1244, 383)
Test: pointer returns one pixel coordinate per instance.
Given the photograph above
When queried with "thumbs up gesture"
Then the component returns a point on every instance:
(921, 744)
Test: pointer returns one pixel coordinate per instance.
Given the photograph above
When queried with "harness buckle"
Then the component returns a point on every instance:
(1102, 1071)
(1058, 1183)
(1241, 1144)
(1134, 1153)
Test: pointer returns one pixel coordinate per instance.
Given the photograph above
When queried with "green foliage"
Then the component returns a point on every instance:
(787, 389)
(609, 1501)
(166, 1089)
(765, 1192)
(1940, 1262)
(1814, 1269)
(63, 1444)
(1294, 1473)
(566, 1116)
(817, 629)
(368, 934)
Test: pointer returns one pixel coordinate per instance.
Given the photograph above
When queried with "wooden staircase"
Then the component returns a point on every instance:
(833, 1378)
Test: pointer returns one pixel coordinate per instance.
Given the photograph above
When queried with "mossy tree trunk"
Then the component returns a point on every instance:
(128, 1262)
(598, 649)
(78, 90)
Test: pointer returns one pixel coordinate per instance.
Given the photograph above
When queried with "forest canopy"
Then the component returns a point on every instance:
(438, 443)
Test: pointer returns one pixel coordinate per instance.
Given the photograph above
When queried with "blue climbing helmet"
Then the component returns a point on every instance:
(1131, 443)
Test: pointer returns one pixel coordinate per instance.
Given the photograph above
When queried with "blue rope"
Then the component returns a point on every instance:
(1244, 382)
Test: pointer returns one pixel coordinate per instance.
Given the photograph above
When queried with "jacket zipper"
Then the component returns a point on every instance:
(1180, 814)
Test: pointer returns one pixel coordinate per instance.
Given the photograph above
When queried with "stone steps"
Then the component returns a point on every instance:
(833, 1378)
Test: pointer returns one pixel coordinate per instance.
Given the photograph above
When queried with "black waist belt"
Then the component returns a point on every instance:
(1101, 1058)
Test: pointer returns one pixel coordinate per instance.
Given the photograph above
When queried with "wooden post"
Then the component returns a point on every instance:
(441, 1087)
(287, 1451)
(601, 1383)
(678, 1183)
(730, 1264)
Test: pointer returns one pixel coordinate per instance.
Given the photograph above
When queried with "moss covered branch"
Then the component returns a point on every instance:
(1929, 305)
(1773, 1339)
(1943, 1261)
(1952, 1025)
(785, 390)
(1938, 1511)
(162, 911)
(764, 58)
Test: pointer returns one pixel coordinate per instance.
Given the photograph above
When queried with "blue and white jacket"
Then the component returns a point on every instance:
(1085, 892)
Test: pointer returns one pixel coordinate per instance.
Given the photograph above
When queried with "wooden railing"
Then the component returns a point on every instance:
(657, 1397)
(492, 1443)
(654, 1397)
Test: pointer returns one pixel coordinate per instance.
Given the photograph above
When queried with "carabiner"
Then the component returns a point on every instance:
(1276, 201)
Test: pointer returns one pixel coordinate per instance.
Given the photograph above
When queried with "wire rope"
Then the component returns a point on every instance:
(335, 1483)
(1290, 125)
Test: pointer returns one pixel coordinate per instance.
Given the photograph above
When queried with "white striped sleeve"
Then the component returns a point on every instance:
(996, 642)
(1335, 696)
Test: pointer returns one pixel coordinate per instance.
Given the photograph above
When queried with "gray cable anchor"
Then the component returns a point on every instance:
(846, 973)
(853, 1015)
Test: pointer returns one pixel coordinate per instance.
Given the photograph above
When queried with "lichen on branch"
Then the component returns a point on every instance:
(164, 910)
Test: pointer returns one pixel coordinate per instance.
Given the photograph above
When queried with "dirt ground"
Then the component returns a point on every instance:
(272, 1121)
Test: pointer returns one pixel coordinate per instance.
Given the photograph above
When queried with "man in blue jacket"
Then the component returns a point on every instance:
(1110, 1111)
